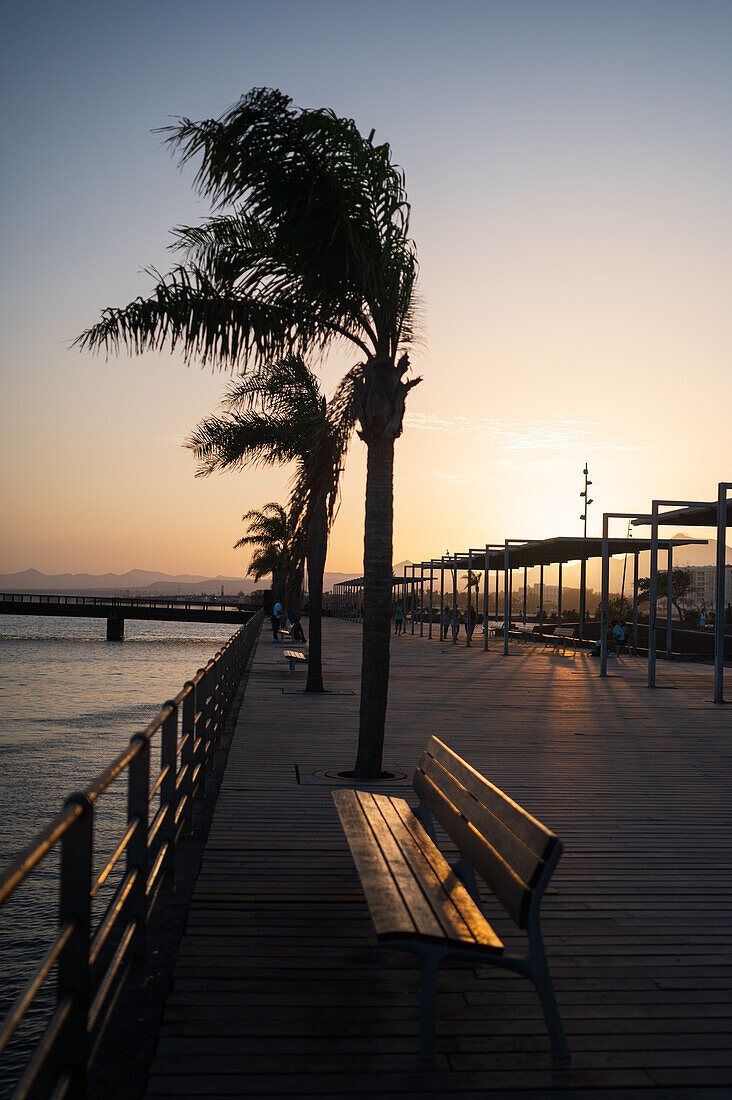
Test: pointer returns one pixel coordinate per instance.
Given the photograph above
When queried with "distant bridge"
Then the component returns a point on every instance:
(116, 609)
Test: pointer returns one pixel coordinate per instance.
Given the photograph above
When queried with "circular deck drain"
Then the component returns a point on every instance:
(347, 776)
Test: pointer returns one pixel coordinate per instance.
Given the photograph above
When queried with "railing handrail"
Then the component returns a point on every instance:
(72, 598)
(190, 726)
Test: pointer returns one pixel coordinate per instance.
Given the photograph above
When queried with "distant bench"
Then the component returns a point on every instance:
(562, 635)
(419, 903)
(524, 632)
(295, 657)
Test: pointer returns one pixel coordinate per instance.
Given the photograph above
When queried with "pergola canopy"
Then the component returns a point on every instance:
(562, 550)
(542, 552)
(693, 515)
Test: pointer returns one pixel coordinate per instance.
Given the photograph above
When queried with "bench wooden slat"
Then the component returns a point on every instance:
(518, 856)
(418, 907)
(480, 930)
(388, 911)
(530, 831)
(452, 925)
(511, 891)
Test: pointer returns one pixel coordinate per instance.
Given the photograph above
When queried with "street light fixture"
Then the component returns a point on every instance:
(588, 501)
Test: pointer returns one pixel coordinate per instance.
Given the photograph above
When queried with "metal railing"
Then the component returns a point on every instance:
(92, 960)
(167, 602)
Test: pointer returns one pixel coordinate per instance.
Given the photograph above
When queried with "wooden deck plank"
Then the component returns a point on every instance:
(280, 989)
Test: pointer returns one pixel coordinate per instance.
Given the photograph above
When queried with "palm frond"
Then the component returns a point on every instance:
(317, 479)
(241, 439)
(206, 321)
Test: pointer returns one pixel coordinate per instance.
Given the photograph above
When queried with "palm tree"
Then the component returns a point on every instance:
(308, 246)
(276, 415)
(269, 533)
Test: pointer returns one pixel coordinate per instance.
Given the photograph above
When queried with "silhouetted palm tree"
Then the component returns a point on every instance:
(276, 415)
(309, 246)
(268, 532)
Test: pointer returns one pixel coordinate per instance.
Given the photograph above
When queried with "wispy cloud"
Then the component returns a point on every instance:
(517, 437)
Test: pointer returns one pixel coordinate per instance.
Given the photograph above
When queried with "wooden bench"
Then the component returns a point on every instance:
(418, 903)
(295, 657)
(562, 635)
(524, 632)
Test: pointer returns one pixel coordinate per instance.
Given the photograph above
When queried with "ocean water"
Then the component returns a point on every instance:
(69, 702)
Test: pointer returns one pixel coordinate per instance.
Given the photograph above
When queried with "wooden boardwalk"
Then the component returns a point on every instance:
(277, 990)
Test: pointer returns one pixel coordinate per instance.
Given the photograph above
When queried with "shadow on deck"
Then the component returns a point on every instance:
(277, 990)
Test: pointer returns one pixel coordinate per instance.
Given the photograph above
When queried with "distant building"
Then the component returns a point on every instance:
(703, 590)
(570, 597)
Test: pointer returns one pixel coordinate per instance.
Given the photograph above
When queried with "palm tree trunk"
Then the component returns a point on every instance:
(377, 611)
(317, 546)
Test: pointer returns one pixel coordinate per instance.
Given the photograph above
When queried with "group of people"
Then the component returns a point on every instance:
(278, 620)
(449, 621)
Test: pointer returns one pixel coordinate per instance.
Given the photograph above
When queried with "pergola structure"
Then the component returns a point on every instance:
(713, 513)
(513, 554)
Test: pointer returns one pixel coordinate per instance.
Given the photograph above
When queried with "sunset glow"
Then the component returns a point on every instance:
(568, 166)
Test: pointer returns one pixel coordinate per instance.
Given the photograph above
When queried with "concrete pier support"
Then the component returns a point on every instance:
(115, 629)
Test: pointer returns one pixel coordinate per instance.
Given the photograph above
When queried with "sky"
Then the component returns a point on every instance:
(569, 166)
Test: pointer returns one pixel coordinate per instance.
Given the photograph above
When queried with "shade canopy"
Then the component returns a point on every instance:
(561, 550)
(527, 555)
(693, 515)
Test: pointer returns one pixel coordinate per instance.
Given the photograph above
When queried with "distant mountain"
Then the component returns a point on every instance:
(699, 555)
(145, 582)
(140, 582)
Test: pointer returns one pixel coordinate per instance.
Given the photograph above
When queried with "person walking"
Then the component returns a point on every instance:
(444, 622)
(398, 618)
(276, 621)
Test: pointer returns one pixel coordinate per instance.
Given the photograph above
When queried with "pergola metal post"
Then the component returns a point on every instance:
(454, 600)
(432, 579)
(442, 593)
(414, 599)
(541, 599)
(605, 596)
(468, 608)
(669, 604)
(485, 601)
(636, 558)
(497, 572)
(525, 583)
(653, 596)
(724, 487)
(559, 597)
(582, 598)
(506, 608)
(654, 576)
(421, 599)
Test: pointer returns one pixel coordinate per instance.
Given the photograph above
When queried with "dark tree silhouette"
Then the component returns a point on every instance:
(308, 246)
(275, 415)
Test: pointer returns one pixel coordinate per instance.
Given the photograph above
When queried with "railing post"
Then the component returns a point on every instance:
(73, 966)
(169, 759)
(138, 804)
(216, 700)
(203, 725)
(187, 759)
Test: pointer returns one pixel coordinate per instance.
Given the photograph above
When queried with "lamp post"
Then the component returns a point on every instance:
(588, 502)
(583, 565)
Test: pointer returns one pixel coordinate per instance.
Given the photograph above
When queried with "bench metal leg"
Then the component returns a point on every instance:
(543, 983)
